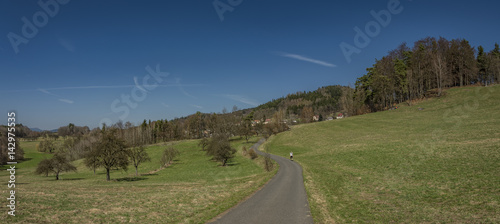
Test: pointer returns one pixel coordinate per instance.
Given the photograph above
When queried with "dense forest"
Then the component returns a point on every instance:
(407, 74)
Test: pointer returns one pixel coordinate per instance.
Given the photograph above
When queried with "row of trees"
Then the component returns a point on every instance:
(407, 74)
(120, 145)
(106, 149)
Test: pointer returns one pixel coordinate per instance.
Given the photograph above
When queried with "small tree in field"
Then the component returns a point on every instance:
(44, 167)
(203, 143)
(57, 164)
(46, 145)
(220, 149)
(168, 155)
(111, 153)
(92, 159)
(138, 155)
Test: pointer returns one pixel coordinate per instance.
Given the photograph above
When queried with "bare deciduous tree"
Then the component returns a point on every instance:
(57, 164)
(111, 153)
(137, 156)
(168, 156)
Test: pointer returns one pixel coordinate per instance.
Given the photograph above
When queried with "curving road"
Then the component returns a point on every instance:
(282, 200)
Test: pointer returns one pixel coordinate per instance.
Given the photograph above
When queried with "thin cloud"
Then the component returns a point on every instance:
(47, 92)
(55, 95)
(66, 101)
(165, 105)
(44, 91)
(67, 45)
(178, 82)
(197, 106)
(242, 99)
(304, 58)
(105, 87)
(139, 86)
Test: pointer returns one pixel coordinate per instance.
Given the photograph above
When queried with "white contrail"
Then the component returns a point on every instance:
(46, 90)
(66, 101)
(197, 106)
(242, 99)
(303, 58)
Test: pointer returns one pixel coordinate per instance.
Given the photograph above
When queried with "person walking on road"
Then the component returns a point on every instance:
(291, 156)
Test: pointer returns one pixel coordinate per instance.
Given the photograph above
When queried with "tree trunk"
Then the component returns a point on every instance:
(107, 174)
(136, 172)
(57, 175)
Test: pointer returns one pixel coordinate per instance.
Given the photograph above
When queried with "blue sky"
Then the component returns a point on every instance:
(88, 57)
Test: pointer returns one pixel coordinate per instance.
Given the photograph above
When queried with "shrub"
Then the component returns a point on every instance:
(168, 156)
(244, 151)
(252, 154)
(268, 162)
(220, 149)
(46, 145)
(203, 143)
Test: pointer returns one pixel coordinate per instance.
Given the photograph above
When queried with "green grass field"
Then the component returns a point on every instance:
(192, 190)
(437, 164)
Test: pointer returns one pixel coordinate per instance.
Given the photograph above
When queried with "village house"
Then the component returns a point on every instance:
(340, 116)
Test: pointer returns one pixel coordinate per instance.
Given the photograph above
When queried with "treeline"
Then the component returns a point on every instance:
(77, 141)
(109, 148)
(121, 145)
(4, 150)
(26, 133)
(407, 74)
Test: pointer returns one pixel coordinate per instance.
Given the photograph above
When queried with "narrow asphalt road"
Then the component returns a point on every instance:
(282, 200)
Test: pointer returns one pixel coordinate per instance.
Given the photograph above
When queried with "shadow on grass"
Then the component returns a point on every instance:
(131, 179)
(25, 159)
(22, 183)
(64, 179)
(235, 139)
(75, 178)
(149, 174)
(231, 164)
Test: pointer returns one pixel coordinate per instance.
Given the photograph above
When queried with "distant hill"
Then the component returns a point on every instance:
(40, 130)
(36, 129)
(324, 101)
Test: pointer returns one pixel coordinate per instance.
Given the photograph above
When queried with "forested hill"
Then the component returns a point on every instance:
(325, 101)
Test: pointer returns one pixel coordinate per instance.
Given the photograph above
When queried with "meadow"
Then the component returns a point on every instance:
(436, 161)
(193, 189)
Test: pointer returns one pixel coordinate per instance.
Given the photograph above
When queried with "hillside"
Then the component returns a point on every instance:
(325, 100)
(435, 161)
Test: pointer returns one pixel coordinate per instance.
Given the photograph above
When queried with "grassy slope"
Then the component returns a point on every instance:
(192, 190)
(439, 164)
